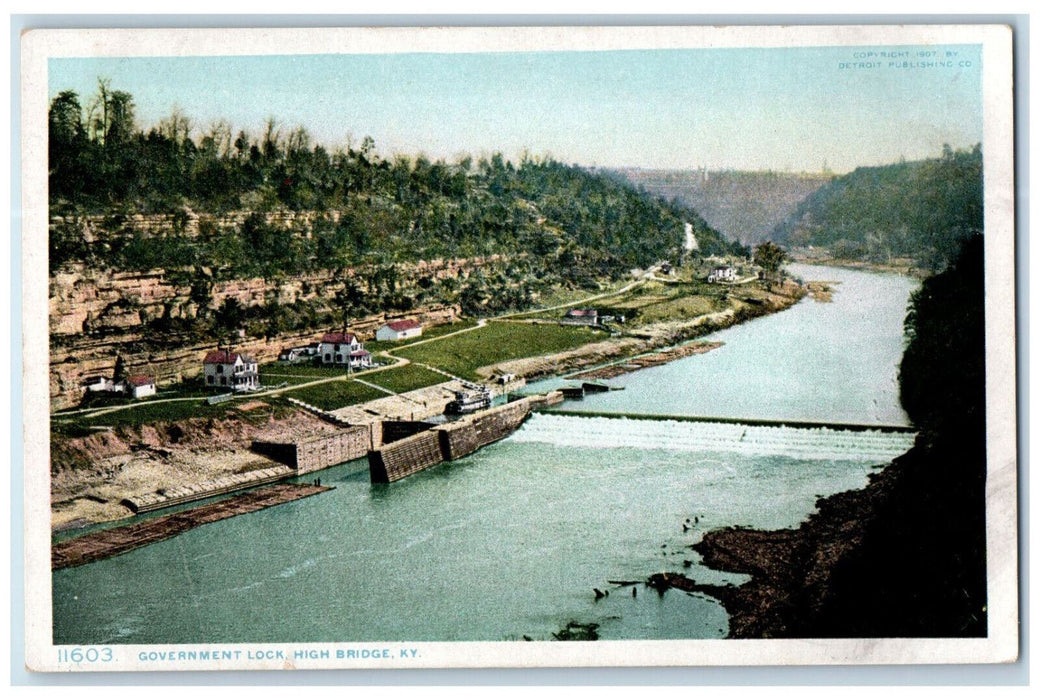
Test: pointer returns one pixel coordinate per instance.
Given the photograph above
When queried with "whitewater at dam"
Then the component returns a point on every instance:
(510, 540)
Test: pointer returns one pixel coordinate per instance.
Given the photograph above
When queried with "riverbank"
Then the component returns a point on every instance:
(653, 336)
(902, 266)
(91, 475)
(643, 361)
(902, 557)
(906, 555)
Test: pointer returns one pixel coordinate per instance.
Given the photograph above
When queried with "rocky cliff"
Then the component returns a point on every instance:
(96, 316)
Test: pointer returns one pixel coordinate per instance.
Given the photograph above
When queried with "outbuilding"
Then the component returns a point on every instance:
(103, 384)
(140, 386)
(399, 330)
(586, 317)
(298, 354)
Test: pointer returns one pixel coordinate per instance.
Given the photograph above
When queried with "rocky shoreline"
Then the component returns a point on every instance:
(902, 557)
(906, 555)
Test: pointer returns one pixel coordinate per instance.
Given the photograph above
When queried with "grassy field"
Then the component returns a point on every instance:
(277, 372)
(145, 412)
(191, 388)
(406, 378)
(657, 301)
(677, 308)
(499, 341)
(571, 297)
(568, 295)
(332, 395)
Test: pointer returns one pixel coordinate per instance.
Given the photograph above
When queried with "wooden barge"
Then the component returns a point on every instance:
(109, 543)
(644, 361)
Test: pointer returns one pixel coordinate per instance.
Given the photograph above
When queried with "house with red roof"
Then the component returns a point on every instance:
(231, 370)
(399, 330)
(343, 349)
(588, 317)
(140, 386)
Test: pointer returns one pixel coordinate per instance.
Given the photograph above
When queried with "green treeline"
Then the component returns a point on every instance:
(368, 210)
(921, 210)
(942, 377)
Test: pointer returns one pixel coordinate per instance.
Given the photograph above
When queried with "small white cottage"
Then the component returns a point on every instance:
(103, 384)
(722, 274)
(140, 386)
(399, 330)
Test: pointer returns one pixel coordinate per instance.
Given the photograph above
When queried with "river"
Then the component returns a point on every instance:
(512, 540)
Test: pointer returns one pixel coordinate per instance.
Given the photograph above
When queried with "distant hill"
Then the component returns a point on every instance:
(921, 210)
(744, 206)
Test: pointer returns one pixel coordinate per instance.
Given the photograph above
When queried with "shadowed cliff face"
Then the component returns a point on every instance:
(906, 556)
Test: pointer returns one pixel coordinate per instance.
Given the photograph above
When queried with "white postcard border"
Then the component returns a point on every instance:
(1000, 646)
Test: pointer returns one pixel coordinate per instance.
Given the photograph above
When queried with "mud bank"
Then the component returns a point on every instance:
(644, 361)
(903, 557)
(91, 475)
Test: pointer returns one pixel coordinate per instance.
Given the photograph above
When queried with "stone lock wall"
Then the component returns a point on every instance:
(326, 451)
(405, 457)
(394, 430)
(309, 454)
(466, 437)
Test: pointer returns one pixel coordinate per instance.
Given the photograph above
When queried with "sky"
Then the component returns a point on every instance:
(785, 109)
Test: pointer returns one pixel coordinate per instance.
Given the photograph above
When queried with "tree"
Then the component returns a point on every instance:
(176, 127)
(272, 135)
(65, 118)
(229, 316)
(942, 377)
(111, 115)
(349, 301)
(119, 371)
(67, 145)
(769, 256)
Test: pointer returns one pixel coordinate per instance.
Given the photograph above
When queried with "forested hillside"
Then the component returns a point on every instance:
(367, 210)
(742, 205)
(921, 210)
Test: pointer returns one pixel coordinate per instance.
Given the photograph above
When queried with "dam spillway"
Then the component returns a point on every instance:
(790, 438)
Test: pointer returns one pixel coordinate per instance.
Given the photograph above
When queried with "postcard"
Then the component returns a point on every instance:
(457, 347)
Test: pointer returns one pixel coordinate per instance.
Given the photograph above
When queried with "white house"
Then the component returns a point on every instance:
(231, 370)
(588, 317)
(104, 384)
(298, 354)
(399, 330)
(343, 349)
(140, 386)
(723, 274)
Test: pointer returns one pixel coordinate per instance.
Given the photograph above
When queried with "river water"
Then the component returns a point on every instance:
(512, 540)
